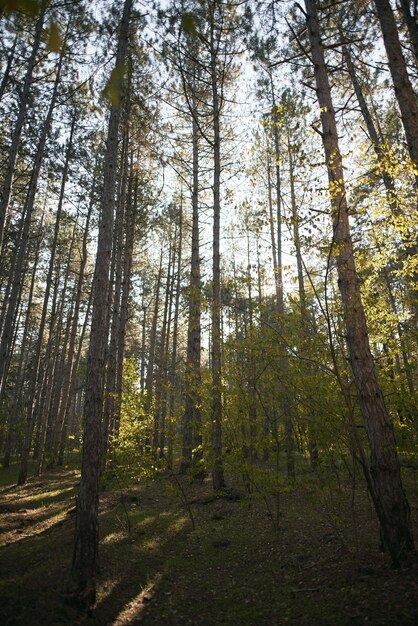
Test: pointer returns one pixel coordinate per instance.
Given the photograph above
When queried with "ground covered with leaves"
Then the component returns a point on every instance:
(173, 553)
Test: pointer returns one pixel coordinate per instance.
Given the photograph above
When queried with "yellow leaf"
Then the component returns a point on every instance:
(113, 87)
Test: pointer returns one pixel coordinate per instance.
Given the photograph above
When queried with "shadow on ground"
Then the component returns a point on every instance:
(323, 566)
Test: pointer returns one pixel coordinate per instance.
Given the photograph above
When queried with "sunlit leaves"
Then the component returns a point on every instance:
(113, 88)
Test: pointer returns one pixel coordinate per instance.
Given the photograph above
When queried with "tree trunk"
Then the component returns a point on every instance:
(85, 554)
(109, 402)
(304, 316)
(33, 386)
(411, 24)
(276, 242)
(404, 92)
(191, 428)
(390, 500)
(216, 365)
(391, 195)
(17, 403)
(130, 225)
(6, 189)
(149, 384)
(70, 367)
(172, 374)
(72, 396)
(161, 361)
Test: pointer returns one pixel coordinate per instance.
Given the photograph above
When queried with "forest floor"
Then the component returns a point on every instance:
(322, 567)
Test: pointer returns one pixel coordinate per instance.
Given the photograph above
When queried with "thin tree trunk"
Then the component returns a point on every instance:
(149, 384)
(283, 364)
(17, 404)
(73, 387)
(130, 216)
(162, 363)
(109, 402)
(172, 375)
(70, 367)
(191, 428)
(216, 365)
(304, 316)
(33, 386)
(6, 189)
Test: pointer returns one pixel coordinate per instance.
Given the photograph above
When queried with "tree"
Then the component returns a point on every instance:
(388, 495)
(85, 556)
(403, 88)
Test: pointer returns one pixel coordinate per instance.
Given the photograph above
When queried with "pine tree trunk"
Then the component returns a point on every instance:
(161, 360)
(411, 24)
(216, 365)
(172, 382)
(191, 427)
(304, 316)
(404, 92)
(73, 386)
(70, 367)
(276, 242)
(85, 554)
(111, 359)
(6, 189)
(390, 500)
(17, 402)
(149, 383)
(33, 390)
(391, 195)
(130, 226)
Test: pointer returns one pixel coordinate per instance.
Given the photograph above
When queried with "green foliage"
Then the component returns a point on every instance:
(188, 23)
(113, 88)
(130, 450)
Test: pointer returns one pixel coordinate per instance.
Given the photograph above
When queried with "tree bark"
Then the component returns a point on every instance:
(191, 435)
(111, 359)
(216, 365)
(411, 24)
(85, 555)
(130, 225)
(6, 189)
(407, 99)
(390, 500)
(388, 181)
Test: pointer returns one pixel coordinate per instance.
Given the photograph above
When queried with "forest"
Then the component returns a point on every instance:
(208, 312)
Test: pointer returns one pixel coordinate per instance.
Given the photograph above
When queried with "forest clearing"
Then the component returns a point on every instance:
(208, 312)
